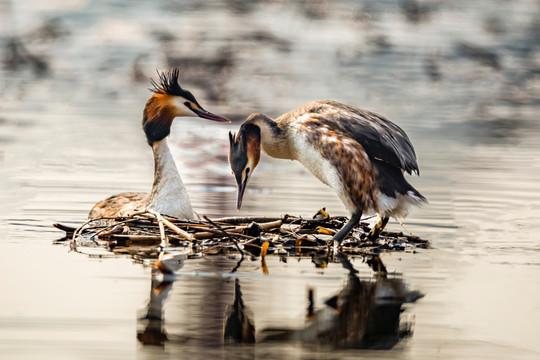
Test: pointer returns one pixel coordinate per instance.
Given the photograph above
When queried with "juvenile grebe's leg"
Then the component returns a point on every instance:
(353, 221)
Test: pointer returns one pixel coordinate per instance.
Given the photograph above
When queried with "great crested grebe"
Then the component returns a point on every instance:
(169, 195)
(361, 155)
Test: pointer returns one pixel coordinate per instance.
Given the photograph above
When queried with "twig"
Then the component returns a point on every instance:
(287, 219)
(164, 238)
(210, 233)
(73, 243)
(112, 226)
(238, 264)
(224, 233)
(404, 228)
(245, 219)
(170, 225)
(63, 227)
(237, 231)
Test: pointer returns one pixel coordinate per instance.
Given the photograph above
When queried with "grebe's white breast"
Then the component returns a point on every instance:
(307, 150)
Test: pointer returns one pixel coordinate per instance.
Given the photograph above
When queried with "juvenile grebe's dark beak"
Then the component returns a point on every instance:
(241, 189)
(208, 115)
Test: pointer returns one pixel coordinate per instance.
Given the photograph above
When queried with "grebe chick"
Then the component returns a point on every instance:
(168, 195)
(361, 155)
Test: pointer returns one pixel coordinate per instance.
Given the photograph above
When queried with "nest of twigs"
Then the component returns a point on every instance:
(147, 232)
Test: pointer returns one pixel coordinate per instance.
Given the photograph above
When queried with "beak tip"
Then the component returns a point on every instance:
(210, 116)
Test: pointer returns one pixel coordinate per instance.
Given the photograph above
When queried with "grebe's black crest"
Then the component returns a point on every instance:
(168, 85)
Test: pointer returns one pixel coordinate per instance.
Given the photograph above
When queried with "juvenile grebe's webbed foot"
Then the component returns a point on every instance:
(346, 229)
(377, 230)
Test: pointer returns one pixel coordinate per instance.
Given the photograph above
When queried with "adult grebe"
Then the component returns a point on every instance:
(361, 155)
(169, 195)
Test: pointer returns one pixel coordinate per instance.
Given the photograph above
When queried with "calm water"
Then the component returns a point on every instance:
(462, 79)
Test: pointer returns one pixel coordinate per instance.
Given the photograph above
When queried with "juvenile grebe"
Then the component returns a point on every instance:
(169, 195)
(361, 155)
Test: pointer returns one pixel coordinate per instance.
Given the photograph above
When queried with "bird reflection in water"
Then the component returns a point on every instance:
(151, 323)
(365, 313)
(238, 325)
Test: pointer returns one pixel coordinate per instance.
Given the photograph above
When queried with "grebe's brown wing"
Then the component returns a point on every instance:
(113, 205)
(382, 139)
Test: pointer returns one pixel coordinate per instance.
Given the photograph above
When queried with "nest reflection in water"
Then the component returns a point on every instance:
(365, 313)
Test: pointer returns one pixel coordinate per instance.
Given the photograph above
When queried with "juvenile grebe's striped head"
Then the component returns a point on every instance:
(244, 154)
(169, 101)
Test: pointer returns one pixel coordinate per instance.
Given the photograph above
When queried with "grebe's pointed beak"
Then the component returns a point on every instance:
(208, 115)
(241, 189)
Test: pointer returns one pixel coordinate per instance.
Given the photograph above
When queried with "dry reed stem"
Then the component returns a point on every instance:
(162, 221)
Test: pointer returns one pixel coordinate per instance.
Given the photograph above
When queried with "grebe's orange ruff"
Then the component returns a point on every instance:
(361, 155)
(168, 195)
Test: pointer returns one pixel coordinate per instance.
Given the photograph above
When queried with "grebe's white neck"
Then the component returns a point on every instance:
(169, 195)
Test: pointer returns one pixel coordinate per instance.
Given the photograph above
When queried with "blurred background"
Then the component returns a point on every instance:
(462, 78)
